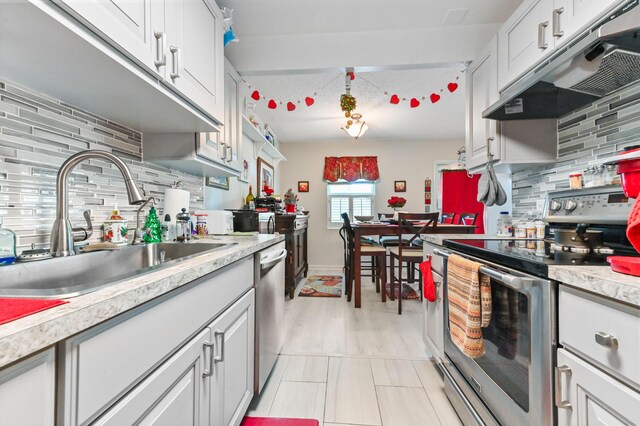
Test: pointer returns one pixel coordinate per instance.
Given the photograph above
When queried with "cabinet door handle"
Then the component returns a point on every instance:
(175, 53)
(607, 340)
(542, 27)
(560, 402)
(230, 152)
(219, 335)
(556, 22)
(161, 57)
(208, 372)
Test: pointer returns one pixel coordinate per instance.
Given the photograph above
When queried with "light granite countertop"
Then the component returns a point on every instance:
(29, 334)
(600, 280)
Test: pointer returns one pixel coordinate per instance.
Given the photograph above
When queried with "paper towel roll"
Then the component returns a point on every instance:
(174, 201)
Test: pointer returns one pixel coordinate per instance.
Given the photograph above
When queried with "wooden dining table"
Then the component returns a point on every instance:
(367, 229)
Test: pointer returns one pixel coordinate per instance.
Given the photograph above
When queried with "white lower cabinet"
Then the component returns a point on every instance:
(27, 391)
(586, 396)
(209, 381)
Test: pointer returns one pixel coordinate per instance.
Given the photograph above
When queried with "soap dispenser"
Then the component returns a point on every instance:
(7, 245)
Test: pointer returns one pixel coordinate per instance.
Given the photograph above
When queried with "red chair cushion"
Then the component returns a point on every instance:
(272, 421)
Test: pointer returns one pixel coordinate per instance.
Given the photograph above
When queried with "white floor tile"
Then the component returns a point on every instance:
(434, 386)
(261, 404)
(299, 400)
(394, 372)
(351, 395)
(405, 407)
(306, 369)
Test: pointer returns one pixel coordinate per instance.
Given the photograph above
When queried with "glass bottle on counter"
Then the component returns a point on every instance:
(7, 245)
(251, 200)
(505, 227)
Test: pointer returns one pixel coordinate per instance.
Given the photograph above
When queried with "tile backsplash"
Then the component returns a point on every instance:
(38, 133)
(584, 137)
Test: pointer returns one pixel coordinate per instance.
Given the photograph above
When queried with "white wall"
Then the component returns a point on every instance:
(409, 161)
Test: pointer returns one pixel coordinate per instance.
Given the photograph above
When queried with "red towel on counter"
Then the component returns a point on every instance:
(428, 285)
(12, 309)
(269, 421)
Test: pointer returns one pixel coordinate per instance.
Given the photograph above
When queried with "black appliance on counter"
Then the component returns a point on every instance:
(269, 203)
(245, 220)
(513, 382)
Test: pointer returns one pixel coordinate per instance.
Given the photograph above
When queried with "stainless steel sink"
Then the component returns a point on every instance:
(65, 277)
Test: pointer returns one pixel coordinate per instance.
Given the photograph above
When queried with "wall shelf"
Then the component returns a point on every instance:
(260, 143)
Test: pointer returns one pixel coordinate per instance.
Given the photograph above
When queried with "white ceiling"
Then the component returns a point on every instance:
(290, 48)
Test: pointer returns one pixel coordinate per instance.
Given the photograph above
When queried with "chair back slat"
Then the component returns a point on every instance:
(468, 219)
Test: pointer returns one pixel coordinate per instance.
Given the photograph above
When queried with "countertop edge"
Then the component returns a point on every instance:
(30, 334)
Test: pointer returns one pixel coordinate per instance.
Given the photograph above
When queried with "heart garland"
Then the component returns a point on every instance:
(394, 99)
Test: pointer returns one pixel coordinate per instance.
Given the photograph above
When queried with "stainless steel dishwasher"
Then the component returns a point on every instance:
(270, 299)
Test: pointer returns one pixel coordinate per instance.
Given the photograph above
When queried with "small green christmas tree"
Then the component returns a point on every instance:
(153, 228)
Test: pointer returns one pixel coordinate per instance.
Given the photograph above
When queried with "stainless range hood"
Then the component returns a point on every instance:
(597, 63)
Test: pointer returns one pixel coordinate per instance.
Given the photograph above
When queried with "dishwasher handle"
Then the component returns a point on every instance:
(268, 263)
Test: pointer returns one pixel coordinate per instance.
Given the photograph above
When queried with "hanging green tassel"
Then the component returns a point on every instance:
(152, 227)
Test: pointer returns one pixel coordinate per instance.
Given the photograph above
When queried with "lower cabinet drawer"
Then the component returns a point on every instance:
(608, 335)
(103, 363)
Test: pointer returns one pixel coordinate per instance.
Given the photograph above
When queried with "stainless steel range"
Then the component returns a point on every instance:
(512, 384)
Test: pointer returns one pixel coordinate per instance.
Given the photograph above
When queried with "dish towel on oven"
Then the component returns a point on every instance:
(469, 298)
(428, 285)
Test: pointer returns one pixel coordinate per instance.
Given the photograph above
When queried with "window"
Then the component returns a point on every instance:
(356, 199)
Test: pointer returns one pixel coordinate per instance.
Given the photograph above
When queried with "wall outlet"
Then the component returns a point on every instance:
(540, 205)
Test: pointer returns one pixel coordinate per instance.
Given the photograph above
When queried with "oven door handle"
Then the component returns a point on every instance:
(516, 283)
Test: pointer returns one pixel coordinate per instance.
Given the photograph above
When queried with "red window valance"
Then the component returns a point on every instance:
(351, 168)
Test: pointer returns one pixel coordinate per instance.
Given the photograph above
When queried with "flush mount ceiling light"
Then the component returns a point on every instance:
(355, 127)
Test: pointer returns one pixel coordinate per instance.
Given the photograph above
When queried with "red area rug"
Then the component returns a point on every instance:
(322, 286)
(408, 292)
(266, 421)
(12, 309)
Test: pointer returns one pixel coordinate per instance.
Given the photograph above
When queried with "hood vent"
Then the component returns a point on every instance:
(597, 63)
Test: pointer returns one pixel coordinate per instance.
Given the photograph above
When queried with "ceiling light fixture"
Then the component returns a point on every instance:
(357, 128)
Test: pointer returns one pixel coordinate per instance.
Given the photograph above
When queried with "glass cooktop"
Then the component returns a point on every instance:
(532, 256)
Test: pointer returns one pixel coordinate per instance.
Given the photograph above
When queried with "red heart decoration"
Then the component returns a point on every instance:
(309, 101)
(272, 104)
(394, 99)
(291, 106)
(255, 95)
(452, 87)
(414, 103)
(434, 98)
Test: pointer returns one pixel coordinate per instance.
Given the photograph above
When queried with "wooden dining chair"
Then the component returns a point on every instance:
(448, 218)
(378, 254)
(406, 254)
(468, 219)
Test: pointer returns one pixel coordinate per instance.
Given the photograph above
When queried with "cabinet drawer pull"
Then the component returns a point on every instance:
(607, 340)
(219, 358)
(175, 53)
(556, 22)
(542, 26)
(230, 152)
(161, 57)
(560, 402)
(208, 372)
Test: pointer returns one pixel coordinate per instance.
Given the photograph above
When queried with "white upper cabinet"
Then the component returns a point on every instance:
(232, 133)
(571, 16)
(482, 91)
(538, 27)
(524, 39)
(195, 55)
(136, 27)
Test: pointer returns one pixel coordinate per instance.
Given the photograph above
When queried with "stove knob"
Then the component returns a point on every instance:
(554, 206)
(570, 205)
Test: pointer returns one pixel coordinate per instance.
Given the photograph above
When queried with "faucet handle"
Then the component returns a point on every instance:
(80, 233)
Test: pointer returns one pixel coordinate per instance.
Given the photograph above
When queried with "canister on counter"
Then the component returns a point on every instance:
(575, 181)
(540, 228)
(115, 229)
(530, 230)
(519, 229)
(201, 224)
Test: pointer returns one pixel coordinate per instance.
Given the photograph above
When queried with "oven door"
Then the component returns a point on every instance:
(514, 377)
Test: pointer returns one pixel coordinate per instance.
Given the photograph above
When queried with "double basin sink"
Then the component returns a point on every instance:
(64, 277)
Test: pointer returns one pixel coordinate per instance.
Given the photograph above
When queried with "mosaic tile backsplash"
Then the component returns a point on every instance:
(37, 134)
(584, 137)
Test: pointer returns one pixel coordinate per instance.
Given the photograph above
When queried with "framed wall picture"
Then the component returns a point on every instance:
(266, 175)
(271, 136)
(400, 185)
(303, 186)
(221, 182)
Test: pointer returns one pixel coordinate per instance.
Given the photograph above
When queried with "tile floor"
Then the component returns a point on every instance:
(350, 367)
